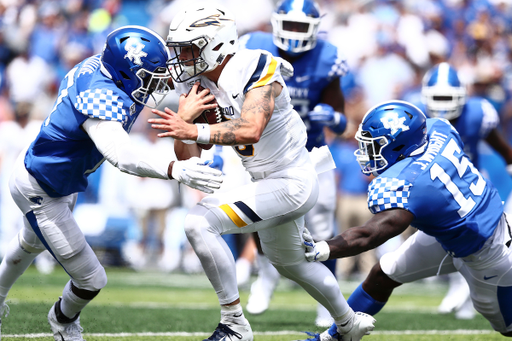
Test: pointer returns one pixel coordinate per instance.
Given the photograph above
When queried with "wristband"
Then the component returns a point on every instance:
(203, 133)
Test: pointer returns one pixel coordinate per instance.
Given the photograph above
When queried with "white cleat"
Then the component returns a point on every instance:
(363, 325)
(71, 331)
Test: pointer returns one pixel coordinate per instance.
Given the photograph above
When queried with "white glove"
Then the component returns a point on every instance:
(315, 252)
(197, 174)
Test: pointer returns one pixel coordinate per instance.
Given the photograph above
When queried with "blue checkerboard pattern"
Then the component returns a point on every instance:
(102, 104)
(386, 193)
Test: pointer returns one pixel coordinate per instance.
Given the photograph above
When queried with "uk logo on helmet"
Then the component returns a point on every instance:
(394, 123)
(135, 53)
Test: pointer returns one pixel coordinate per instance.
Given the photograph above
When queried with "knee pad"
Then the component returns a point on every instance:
(389, 265)
(197, 222)
(37, 247)
(94, 282)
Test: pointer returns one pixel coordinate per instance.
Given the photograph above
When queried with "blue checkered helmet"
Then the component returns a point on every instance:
(442, 92)
(390, 132)
(135, 58)
(295, 25)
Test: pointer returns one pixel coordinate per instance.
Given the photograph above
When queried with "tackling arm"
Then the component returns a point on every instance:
(380, 228)
(114, 143)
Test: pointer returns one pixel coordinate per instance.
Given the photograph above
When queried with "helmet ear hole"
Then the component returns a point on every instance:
(125, 76)
(217, 48)
(398, 148)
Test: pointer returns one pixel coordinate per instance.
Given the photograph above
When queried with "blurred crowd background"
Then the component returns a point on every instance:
(389, 45)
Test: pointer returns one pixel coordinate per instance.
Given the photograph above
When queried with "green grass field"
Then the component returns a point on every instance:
(155, 306)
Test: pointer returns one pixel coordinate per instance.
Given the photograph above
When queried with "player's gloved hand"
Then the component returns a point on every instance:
(325, 115)
(218, 161)
(315, 252)
(197, 174)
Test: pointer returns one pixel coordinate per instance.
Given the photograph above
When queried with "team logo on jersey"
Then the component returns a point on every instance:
(135, 53)
(212, 20)
(36, 200)
(394, 123)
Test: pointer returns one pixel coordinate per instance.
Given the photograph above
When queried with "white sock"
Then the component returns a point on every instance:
(232, 314)
(71, 304)
(345, 322)
(14, 264)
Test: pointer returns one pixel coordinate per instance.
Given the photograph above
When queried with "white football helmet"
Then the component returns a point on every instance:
(442, 92)
(210, 28)
(295, 25)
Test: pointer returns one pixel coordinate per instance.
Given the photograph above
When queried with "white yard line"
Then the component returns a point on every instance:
(285, 332)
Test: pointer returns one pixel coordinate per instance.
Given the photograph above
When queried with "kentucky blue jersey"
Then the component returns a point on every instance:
(62, 155)
(448, 196)
(313, 71)
(477, 119)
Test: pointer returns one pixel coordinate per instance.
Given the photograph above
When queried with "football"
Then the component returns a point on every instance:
(210, 116)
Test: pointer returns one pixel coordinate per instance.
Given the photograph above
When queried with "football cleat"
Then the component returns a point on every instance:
(4, 312)
(231, 332)
(70, 331)
(362, 325)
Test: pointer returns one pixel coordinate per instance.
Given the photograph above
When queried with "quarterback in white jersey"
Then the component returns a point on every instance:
(270, 137)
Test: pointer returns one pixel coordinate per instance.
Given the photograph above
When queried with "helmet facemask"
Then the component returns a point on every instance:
(444, 102)
(294, 35)
(442, 92)
(154, 86)
(369, 153)
(183, 70)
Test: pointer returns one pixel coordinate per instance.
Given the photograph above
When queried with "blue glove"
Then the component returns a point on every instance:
(325, 115)
(218, 161)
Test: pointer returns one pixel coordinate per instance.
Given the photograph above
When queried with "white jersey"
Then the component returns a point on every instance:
(284, 138)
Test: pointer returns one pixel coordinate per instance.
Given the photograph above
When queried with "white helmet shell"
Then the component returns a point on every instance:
(210, 28)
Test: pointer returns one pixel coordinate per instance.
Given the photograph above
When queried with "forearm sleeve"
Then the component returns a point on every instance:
(115, 144)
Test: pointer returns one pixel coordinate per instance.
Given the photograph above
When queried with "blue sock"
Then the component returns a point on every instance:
(361, 301)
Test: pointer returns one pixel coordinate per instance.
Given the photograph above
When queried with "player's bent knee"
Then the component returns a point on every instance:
(389, 265)
(196, 223)
(29, 248)
(94, 282)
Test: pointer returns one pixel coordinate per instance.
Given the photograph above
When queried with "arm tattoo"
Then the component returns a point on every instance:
(264, 105)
